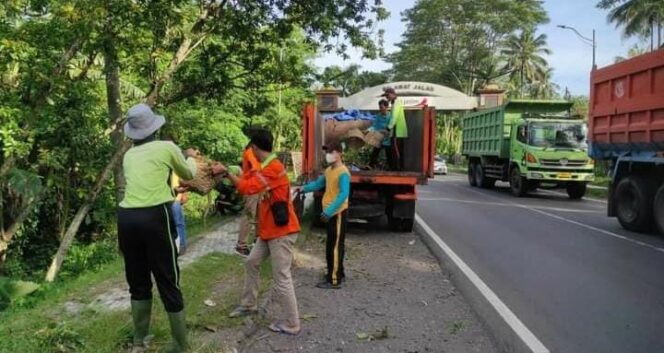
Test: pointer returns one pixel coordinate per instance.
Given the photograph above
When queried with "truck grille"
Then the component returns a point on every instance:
(563, 162)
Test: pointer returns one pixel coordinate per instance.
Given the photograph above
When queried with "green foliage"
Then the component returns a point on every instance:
(59, 338)
(643, 18)
(247, 63)
(524, 59)
(12, 290)
(350, 80)
(456, 42)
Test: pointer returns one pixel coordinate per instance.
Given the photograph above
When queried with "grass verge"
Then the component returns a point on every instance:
(46, 328)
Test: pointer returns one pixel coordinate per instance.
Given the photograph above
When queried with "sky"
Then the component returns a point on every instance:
(571, 58)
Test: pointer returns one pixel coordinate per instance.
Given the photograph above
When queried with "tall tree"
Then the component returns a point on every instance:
(456, 42)
(524, 58)
(643, 18)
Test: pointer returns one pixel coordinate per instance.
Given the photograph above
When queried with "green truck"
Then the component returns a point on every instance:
(529, 143)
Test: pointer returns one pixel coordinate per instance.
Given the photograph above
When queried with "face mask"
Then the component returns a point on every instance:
(330, 158)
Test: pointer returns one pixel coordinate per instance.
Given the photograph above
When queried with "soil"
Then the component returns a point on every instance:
(396, 299)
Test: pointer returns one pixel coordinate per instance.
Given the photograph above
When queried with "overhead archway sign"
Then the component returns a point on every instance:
(415, 94)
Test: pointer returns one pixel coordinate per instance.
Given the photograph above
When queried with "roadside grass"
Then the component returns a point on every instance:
(35, 323)
(46, 328)
(597, 193)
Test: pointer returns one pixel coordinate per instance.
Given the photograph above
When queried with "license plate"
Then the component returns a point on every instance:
(564, 175)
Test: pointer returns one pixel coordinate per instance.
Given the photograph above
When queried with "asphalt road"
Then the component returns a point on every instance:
(572, 275)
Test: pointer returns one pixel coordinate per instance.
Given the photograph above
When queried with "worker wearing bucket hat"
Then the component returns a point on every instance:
(146, 228)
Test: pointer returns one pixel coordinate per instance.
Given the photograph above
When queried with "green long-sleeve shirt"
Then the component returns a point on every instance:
(146, 170)
(398, 121)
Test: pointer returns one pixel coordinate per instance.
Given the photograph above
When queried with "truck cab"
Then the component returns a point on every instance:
(541, 143)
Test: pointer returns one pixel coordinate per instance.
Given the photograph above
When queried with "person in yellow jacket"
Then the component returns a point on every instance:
(397, 126)
(336, 182)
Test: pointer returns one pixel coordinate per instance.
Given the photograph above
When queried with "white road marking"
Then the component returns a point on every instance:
(560, 218)
(504, 204)
(591, 199)
(528, 338)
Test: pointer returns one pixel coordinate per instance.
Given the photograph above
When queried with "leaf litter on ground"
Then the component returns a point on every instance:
(380, 334)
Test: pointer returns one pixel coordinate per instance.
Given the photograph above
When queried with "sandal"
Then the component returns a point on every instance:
(281, 329)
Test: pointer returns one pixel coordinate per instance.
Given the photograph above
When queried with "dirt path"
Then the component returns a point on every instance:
(395, 288)
(116, 297)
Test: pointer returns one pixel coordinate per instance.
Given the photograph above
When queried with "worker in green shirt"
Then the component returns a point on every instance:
(397, 126)
(146, 227)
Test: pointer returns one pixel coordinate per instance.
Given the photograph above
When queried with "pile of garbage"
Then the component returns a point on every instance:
(352, 126)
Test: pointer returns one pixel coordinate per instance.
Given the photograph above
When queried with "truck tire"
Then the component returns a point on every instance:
(634, 203)
(576, 190)
(481, 179)
(518, 184)
(658, 209)
(471, 174)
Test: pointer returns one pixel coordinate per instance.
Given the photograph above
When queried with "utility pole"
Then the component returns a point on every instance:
(592, 42)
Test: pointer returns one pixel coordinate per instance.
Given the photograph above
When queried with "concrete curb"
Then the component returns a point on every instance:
(508, 332)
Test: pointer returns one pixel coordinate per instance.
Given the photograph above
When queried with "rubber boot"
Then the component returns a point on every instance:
(178, 332)
(141, 311)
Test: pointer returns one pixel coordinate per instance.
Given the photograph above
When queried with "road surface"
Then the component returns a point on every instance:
(576, 279)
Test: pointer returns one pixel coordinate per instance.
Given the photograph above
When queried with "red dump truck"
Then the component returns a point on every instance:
(627, 128)
(375, 193)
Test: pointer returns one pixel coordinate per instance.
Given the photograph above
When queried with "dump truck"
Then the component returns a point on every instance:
(530, 143)
(374, 193)
(626, 118)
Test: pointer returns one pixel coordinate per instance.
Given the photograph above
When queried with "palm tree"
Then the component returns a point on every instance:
(523, 54)
(544, 87)
(638, 17)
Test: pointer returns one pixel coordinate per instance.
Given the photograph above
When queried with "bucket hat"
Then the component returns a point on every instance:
(142, 122)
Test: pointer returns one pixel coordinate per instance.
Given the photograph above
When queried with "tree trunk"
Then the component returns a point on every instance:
(68, 238)
(113, 101)
(8, 234)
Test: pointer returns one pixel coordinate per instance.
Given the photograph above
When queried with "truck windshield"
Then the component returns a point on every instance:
(557, 135)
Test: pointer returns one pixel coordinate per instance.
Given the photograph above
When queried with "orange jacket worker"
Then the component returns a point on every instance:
(278, 227)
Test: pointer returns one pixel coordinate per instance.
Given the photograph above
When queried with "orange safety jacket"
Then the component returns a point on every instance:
(249, 161)
(272, 183)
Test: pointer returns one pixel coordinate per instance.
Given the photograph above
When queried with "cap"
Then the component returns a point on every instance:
(387, 91)
(334, 146)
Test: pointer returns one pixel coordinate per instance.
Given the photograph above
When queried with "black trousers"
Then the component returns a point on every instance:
(147, 241)
(389, 154)
(399, 145)
(335, 249)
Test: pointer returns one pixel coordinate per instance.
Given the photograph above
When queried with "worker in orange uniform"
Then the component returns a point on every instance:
(336, 182)
(248, 221)
(277, 231)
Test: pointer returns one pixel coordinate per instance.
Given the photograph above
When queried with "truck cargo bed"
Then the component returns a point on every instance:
(627, 107)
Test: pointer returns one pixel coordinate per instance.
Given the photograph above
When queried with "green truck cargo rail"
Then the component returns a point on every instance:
(529, 143)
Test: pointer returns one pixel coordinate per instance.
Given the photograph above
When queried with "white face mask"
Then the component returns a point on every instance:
(330, 158)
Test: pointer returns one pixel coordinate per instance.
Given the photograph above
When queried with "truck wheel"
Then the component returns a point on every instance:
(518, 184)
(471, 174)
(481, 179)
(634, 203)
(658, 209)
(576, 190)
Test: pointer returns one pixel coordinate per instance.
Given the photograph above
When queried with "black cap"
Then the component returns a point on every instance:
(334, 146)
(387, 91)
(262, 139)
